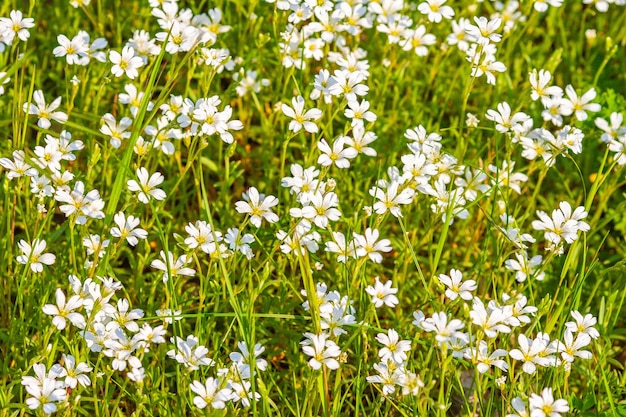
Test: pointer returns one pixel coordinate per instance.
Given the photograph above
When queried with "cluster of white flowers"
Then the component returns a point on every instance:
(47, 389)
(392, 369)
(334, 312)
(107, 327)
(233, 383)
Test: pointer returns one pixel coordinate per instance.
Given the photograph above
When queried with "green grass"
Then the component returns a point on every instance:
(230, 297)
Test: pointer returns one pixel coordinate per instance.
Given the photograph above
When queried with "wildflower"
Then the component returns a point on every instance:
(340, 246)
(189, 353)
(242, 392)
(359, 141)
(506, 176)
(359, 112)
(490, 321)
(180, 38)
(243, 359)
(146, 186)
(564, 224)
(583, 324)
(125, 63)
(348, 84)
(507, 123)
(540, 90)
(579, 105)
(116, 131)
(455, 287)
(435, 10)
(542, 5)
(484, 31)
(531, 353)
(209, 393)
(545, 405)
(337, 155)
(33, 254)
(388, 376)
(520, 408)
(459, 36)
(63, 311)
(169, 316)
(572, 347)
(18, 166)
(417, 40)
(239, 242)
(301, 119)
(395, 349)
(612, 130)
(383, 294)
(79, 204)
(525, 267)
(320, 210)
(45, 112)
(202, 236)
(390, 199)
(74, 374)
(258, 206)
(335, 315)
(485, 360)
(74, 50)
(16, 25)
(439, 324)
(323, 351)
(368, 245)
(171, 267)
(127, 229)
(45, 392)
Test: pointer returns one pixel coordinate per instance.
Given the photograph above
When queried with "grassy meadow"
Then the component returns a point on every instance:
(313, 208)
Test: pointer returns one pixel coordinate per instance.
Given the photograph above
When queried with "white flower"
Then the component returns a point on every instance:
(16, 25)
(545, 405)
(457, 288)
(127, 229)
(189, 353)
(368, 245)
(507, 123)
(258, 206)
(395, 349)
(210, 394)
(337, 155)
(146, 186)
(125, 63)
(63, 310)
(321, 209)
(484, 31)
(579, 105)
(564, 224)
(44, 111)
(323, 351)
(383, 294)
(436, 10)
(390, 199)
(439, 324)
(74, 374)
(301, 119)
(33, 254)
(171, 267)
(583, 324)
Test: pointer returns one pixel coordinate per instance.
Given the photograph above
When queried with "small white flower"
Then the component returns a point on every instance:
(258, 206)
(383, 294)
(125, 63)
(146, 186)
(33, 254)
